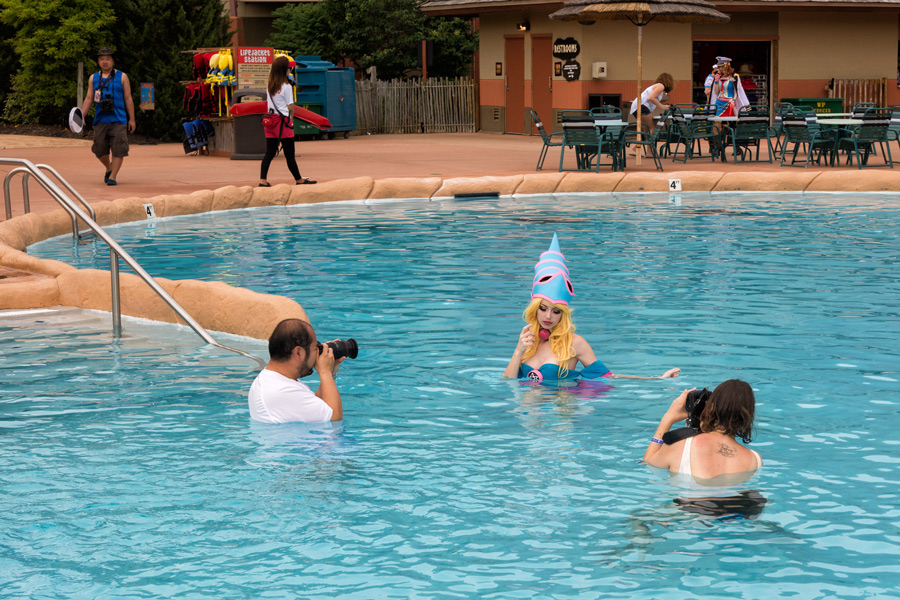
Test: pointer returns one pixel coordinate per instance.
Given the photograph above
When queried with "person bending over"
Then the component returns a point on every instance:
(277, 396)
(713, 452)
(650, 100)
(548, 348)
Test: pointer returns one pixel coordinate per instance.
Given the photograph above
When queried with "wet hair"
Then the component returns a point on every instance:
(667, 81)
(561, 340)
(289, 334)
(278, 74)
(730, 410)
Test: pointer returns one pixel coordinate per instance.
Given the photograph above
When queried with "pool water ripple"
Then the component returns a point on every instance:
(131, 469)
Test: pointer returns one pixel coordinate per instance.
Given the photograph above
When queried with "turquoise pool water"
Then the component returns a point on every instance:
(132, 470)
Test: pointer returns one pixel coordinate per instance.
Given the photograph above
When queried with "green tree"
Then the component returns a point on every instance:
(381, 33)
(150, 37)
(9, 61)
(303, 29)
(50, 38)
(455, 43)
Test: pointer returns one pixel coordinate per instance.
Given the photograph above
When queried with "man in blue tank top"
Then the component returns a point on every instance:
(109, 91)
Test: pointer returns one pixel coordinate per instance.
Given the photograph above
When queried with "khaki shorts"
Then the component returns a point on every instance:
(110, 136)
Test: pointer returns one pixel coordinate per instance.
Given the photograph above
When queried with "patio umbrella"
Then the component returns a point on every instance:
(640, 14)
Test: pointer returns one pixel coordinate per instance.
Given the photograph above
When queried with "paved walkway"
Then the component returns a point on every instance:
(164, 169)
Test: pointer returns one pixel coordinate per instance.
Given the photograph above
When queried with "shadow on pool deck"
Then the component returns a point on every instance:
(165, 169)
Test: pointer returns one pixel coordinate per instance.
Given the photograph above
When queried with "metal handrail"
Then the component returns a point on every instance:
(26, 197)
(116, 252)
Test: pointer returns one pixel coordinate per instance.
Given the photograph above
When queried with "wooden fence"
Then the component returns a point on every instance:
(860, 90)
(409, 106)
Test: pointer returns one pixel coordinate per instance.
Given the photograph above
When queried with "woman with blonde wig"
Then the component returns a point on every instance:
(548, 348)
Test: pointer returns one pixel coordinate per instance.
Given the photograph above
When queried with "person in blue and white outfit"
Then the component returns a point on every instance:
(548, 348)
(109, 91)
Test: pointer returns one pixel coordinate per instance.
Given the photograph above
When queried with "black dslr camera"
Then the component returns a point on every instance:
(693, 406)
(106, 104)
(342, 348)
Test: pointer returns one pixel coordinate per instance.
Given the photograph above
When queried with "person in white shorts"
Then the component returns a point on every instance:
(277, 396)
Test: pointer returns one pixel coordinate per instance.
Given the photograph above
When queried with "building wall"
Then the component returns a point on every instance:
(666, 48)
(845, 45)
(811, 47)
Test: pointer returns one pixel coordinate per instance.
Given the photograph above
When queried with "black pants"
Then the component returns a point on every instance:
(287, 145)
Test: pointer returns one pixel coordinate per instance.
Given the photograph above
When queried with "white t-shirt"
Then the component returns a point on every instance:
(274, 398)
(279, 102)
(645, 100)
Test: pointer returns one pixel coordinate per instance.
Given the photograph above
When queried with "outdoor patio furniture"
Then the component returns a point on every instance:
(776, 131)
(672, 133)
(551, 140)
(894, 125)
(751, 127)
(693, 130)
(864, 138)
(802, 129)
(860, 108)
(647, 139)
(592, 136)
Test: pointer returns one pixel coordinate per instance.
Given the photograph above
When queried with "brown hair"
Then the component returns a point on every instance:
(730, 410)
(278, 74)
(667, 81)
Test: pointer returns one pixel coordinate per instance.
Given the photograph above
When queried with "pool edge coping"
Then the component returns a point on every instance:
(221, 307)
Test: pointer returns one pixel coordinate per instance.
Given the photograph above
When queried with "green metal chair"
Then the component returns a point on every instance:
(776, 131)
(647, 139)
(751, 127)
(694, 129)
(894, 126)
(802, 129)
(864, 138)
(585, 132)
(551, 140)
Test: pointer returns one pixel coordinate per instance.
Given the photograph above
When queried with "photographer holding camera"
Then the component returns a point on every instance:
(109, 91)
(707, 447)
(277, 396)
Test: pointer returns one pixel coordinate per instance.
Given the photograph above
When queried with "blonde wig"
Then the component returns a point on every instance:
(561, 339)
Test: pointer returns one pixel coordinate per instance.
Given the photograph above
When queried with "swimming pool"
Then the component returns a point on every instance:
(133, 471)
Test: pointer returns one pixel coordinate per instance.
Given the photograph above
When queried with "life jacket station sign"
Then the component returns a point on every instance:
(253, 65)
(567, 49)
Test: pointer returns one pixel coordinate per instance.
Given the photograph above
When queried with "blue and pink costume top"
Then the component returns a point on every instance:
(551, 282)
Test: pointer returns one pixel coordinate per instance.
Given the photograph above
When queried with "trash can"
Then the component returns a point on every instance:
(332, 88)
(249, 136)
(303, 128)
(819, 105)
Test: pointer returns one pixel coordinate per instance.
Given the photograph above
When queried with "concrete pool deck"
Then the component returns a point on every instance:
(359, 168)
(164, 168)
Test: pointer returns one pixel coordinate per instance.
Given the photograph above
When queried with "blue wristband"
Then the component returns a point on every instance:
(657, 441)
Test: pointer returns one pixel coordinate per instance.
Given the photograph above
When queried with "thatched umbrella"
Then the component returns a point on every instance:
(640, 14)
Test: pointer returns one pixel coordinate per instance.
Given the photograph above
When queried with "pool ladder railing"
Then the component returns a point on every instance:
(31, 170)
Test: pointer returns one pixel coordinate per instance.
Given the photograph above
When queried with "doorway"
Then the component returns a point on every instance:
(515, 85)
(752, 60)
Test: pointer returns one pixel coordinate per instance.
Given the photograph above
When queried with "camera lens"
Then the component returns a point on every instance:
(347, 348)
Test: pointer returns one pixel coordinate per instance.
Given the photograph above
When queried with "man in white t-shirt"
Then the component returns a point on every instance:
(277, 396)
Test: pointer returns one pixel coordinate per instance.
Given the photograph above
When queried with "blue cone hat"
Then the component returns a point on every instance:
(551, 276)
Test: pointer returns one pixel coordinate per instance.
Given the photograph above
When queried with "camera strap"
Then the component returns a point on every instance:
(106, 82)
(676, 435)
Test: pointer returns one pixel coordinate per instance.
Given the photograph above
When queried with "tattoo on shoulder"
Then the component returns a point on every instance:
(726, 451)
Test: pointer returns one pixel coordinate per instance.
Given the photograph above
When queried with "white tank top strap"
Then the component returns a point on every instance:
(758, 458)
(685, 466)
